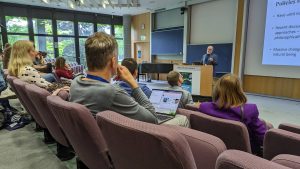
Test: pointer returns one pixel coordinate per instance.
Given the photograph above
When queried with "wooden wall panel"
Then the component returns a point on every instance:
(137, 31)
(273, 86)
(238, 38)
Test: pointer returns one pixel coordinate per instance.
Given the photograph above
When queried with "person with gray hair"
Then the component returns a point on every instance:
(210, 58)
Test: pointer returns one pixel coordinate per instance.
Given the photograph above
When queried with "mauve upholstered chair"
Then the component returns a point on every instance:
(138, 145)
(288, 160)
(233, 133)
(38, 97)
(278, 141)
(82, 131)
(234, 159)
(205, 147)
(10, 80)
(26, 101)
(290, 127)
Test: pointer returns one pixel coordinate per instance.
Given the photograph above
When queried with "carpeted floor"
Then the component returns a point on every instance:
(24, 149)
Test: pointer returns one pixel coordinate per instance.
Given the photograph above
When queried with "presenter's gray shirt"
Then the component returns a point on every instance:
(186, 96)
(100, 96)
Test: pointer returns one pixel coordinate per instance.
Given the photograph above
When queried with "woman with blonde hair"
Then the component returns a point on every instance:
(20, 64)
(230, 102)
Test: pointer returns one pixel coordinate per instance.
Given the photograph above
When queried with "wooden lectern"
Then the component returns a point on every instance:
(199, 77)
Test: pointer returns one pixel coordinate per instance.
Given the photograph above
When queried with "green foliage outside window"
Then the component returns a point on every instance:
(16, 24)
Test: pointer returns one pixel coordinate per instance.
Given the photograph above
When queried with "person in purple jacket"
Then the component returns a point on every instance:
(230, 102)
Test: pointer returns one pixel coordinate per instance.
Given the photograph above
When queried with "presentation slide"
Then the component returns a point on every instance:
(282, 33)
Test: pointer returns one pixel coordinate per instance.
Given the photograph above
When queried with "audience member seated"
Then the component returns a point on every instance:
(20, 64)
(175, 81)
(40, 64)
(44, 68)
(62, 69)
(6, 55)
(132, 66)
(95, 91)
(230, 102)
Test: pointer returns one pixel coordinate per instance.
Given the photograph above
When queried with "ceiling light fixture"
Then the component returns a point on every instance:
(46, 1)
(81, 1)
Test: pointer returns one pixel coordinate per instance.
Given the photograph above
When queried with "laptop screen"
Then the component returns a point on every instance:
(165, 101)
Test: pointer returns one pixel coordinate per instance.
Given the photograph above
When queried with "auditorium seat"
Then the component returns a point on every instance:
(234, 159)
(288, 160)
(38, 97)
(205, 147)
(82, 131)
(10, 80)
(27, 103)
(138, 145)
(278, 141)
(233, 133)
(290, 127)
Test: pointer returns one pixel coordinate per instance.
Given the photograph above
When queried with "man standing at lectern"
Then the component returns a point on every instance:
(210, 58)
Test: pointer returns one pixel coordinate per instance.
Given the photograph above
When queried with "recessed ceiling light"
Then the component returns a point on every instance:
(46, 1)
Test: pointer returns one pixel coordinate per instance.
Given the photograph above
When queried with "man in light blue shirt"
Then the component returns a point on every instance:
(132, 66)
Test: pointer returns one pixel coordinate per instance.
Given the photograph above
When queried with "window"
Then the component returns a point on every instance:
(45, 44)
(119, 35)
(82, 51)
(104, 28)
(66, 47)
(43, 36)
(42, 26)
(14, 38)
(17, 28)
(85, 29)
(66, 40)
(16, 24)
(65, 28)
(1, 42)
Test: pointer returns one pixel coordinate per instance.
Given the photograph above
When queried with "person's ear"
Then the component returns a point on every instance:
(135, 74)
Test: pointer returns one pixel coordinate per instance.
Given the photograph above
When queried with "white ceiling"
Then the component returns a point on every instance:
(146, 5)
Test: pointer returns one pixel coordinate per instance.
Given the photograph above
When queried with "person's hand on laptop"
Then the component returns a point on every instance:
(126, 76)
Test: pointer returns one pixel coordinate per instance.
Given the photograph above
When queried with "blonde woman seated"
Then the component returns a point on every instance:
(230, 102)
(20, 64)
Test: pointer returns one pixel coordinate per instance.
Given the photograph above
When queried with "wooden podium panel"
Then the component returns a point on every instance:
(201, 78)
(206, 80)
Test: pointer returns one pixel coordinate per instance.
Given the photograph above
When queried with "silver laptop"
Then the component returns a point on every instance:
(166, 103)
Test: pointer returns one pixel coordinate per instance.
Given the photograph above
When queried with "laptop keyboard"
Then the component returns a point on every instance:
(162, 117)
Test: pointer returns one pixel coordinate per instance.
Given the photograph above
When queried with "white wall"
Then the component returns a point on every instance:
(168, 19)
(213, 22)
(255, 43)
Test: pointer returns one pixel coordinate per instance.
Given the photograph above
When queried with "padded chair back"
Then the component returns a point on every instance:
(135, 145)
(39, 99)
(233, 159)
(287, 160)
(26, 101)
(278, 141)
(10, 80)
(82, 131)
(233, 133)
(200, 144)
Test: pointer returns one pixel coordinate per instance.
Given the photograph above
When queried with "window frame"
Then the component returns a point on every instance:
(33, 12)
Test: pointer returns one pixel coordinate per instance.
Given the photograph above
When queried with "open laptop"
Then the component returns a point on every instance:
(166, 103)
